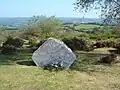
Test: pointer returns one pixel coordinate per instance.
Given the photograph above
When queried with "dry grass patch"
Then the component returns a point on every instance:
(33, 78)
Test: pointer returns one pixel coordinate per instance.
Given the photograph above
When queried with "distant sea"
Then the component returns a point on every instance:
(18, 21)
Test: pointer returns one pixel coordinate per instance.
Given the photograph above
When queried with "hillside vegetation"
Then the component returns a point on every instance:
(96, 46)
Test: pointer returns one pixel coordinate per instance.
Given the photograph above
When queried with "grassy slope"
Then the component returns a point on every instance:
(22, 77)
(33, 78)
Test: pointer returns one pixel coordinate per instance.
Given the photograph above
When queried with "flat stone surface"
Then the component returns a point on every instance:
(55, 52)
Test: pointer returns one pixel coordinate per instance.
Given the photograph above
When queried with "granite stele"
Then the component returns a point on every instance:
(53, 52)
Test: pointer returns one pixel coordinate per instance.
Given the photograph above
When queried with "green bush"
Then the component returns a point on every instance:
(16, 42)
(8, 49)
(116, 31)
(11, 44)
(77, 44)
(105, 43)
(33, 41)
(111, 58)
(117, 44)
(50, 34)
(33, 32)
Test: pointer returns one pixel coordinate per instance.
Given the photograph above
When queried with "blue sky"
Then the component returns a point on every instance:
(28, 8)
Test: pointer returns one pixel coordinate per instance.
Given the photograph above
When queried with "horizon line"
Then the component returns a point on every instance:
(49, 16)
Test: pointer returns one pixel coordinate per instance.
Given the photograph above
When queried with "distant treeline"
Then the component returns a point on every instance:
(12, 28)
(94, 23)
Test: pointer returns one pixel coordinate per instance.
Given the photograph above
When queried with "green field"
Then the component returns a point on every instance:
(86, 26)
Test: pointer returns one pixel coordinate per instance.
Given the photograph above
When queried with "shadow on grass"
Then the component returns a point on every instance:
(11, 59)
(31, 63)
(85, 62)
(6, 62)
(85, 67)
(89, 62)
(27, 63)
(114, 51)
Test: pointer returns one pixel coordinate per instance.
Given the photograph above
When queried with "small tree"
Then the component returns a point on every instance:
(44, 24)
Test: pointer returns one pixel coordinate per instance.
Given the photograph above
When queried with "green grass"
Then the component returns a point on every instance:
(89, 76)
(33, 78)
(84, 26)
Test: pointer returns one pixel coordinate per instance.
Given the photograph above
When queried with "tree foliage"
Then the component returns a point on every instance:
(110, 9)
(43, 23)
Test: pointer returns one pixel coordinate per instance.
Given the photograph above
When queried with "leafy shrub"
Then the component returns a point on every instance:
(89, 46)
(111, 58)
(77, 44)
(50, 34)
(32, 32)
(116, 31)
(11, 45)
(104, 43)
(36, 46)
(114, 43)
(33, 41)
(8, 49)
(117, 44)
(49, 25)
(16, 42)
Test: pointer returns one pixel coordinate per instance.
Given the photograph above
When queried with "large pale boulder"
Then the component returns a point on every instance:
(53, 52)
